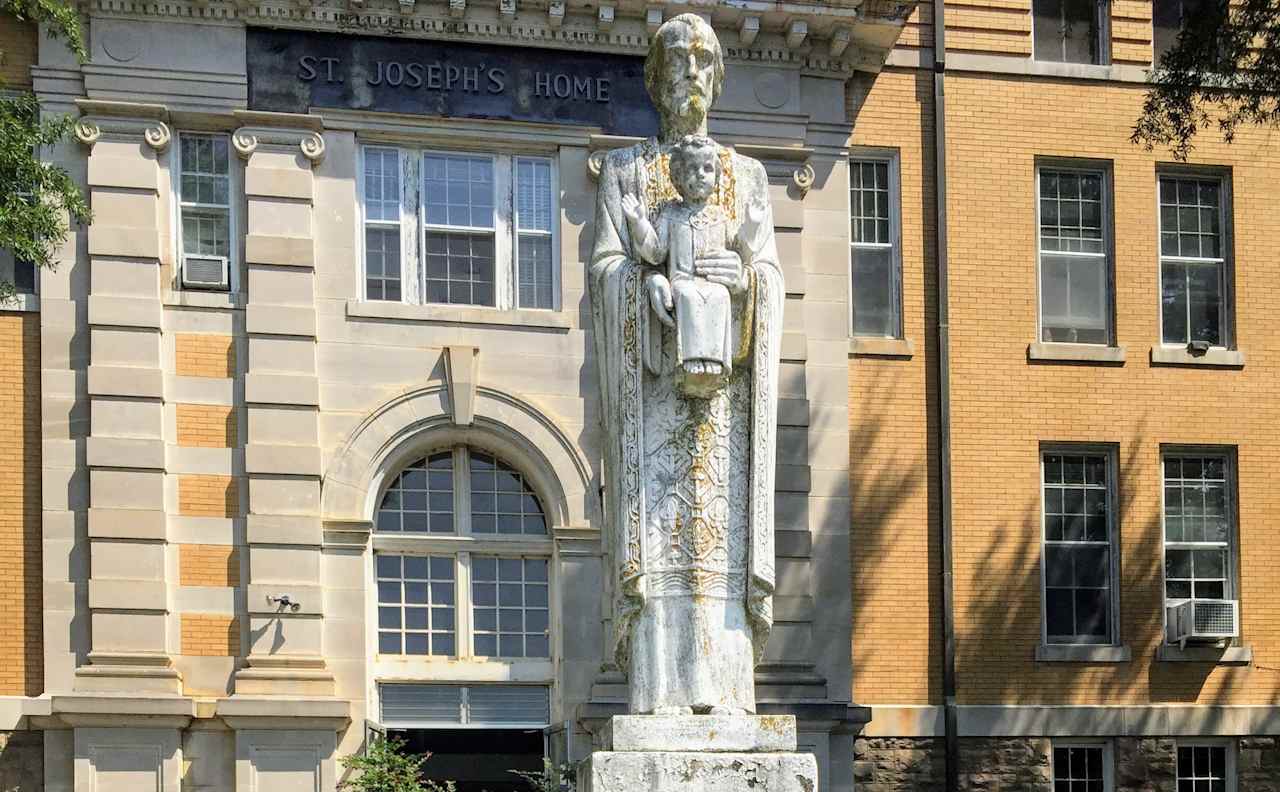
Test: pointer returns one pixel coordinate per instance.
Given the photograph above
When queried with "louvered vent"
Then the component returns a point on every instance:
(204, 272)
(407, 705)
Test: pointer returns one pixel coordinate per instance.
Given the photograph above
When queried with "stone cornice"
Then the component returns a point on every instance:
(832, 38)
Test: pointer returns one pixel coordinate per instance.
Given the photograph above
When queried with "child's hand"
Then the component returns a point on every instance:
(632, 209)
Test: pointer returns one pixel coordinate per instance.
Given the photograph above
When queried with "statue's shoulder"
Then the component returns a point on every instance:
(748, 171)
(627, 155)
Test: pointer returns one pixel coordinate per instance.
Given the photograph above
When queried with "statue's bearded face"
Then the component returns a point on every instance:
(689, 73)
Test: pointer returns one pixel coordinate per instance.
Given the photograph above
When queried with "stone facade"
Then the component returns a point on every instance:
(214, 461)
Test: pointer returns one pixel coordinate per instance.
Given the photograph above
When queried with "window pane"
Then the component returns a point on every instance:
(1173, 303)
(533, 195)
(520, 628)
(459, 268)
(535, 271)
(1077, 549)
(382, 184)
(876, 306)
(1074, 301)
(382, 263)
(418, 502)
(1066, 30)
(408, 587)
(501, 499)
(1204, 303)
(206, 232)
(1078, 767)
(459, 190)
(873, 292)
(1196, 510)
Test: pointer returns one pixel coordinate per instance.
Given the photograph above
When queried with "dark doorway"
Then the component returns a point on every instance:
(479, 760)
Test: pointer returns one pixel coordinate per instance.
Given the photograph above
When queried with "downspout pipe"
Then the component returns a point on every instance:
(951, 738)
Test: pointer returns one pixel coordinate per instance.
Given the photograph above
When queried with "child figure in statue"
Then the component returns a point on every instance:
(685, 232)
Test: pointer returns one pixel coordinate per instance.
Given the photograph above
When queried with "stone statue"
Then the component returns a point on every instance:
(687, 230)
(690, 399)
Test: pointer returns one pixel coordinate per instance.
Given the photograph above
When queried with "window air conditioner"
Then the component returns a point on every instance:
(1204, 620)
(204, 272)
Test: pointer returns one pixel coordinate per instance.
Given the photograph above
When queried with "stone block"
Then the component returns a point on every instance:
(714, 733)
(691, 771)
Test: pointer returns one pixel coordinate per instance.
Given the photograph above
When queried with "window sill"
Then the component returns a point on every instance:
(1162, 355)
(1218, 655)
(1082, 653)
(1075, 353)
(882, 347)
(21, 303)
(458, 314)
(205, 299)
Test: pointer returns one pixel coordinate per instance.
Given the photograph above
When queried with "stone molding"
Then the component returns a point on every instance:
(122, 120)
(835, 39)
(525, 435)
(246, 140)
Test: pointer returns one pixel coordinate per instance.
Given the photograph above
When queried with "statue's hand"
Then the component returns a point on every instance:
(631, 208)
(723, 267)
(660, 298)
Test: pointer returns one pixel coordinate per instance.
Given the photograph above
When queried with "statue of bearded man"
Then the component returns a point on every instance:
(688, 479)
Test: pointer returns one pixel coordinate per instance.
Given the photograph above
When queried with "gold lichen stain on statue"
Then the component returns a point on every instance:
(659, 191)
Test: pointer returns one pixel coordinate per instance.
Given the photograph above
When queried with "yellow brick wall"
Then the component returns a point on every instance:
(208, 565)
(210, 635)
(18, 50)
(896, 646)
(21, 655)
(208, 496)
(204, 355)
(1003, 408)
(206, 425)
(1003, 27)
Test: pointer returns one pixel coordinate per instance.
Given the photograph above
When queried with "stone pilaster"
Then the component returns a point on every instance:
(282, 453)
(128, 602)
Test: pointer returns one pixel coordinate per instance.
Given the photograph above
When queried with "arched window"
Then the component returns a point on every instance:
(484, 598)
(461, 491)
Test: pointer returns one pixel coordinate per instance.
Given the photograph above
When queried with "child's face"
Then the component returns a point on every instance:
(695, 174)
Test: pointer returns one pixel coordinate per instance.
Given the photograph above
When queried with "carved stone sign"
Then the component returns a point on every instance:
(291, 71)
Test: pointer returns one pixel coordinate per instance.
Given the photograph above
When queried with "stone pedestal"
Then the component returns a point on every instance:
(699, 753)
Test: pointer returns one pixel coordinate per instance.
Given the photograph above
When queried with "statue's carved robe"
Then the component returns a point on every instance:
(688, 482)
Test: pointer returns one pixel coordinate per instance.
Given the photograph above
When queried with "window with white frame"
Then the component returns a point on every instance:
(1193, 259)
(1071, 31)
(1198, 526)
(1079, 554)
(1082, 767)
(875, 259)
(1206, 767)
(205, 193)
(488, 596)
(460, 228)
(1075, 279)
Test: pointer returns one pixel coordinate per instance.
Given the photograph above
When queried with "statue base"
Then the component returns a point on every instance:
(699, 753)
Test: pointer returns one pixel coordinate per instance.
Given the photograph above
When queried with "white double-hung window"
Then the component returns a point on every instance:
(206, 196)
(1075, 276)
(459, 228)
